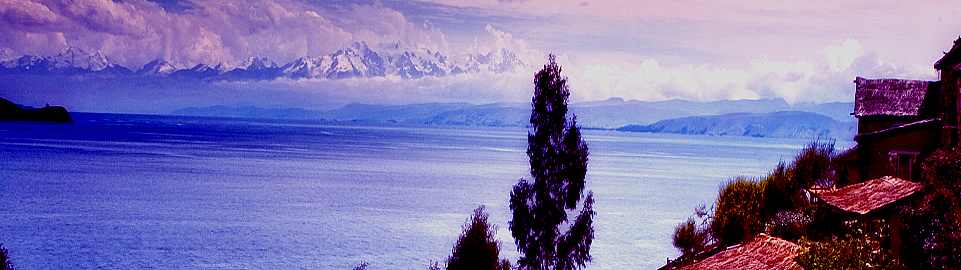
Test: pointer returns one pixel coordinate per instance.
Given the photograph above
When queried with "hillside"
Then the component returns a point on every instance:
(785, 124)
(609, 114)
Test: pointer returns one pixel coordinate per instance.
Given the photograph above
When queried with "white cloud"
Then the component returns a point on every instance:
(800, 81)
(840, 57)
(134, 32)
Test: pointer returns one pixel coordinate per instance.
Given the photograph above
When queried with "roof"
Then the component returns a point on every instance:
(888, 97)
(951, 58)
(763, 252)
(865, 197)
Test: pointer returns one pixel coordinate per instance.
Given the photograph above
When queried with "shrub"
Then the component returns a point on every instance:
(689, 237)
(814, 165)
(5, 259)
(738, 216)
(932, 228)
(788, 225)
(860, 248)
(782, 192)
(476, 248)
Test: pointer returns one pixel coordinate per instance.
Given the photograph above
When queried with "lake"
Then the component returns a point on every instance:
(120, 191)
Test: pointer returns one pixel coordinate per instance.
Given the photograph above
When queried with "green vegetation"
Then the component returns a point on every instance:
(5, 263)
(692, 237)
(862, 247)
(476, 249)
(739, 212)
(932, 226)
(776, 204)
(543, 230)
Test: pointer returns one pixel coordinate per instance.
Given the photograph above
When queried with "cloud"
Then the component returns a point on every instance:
(799, 81)
(134, 32)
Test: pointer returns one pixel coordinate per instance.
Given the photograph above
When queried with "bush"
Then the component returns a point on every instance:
(690, 238)
(860, 248)
(782, 192)
(5, 259)
(814, 165)
(738, 216)
(932, 228)
(476, 248)
(788, 225)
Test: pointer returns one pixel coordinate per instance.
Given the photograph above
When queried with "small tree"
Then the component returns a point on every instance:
(738, 216)
(814, 165)
(545, 234)
(476, 249)
(689, 237)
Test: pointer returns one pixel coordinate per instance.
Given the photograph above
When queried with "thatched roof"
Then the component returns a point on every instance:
(865, 197)
(888, 97)
(764, 252)
(951, 58)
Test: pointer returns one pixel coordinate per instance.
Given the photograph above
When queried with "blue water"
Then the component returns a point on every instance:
(165, 192)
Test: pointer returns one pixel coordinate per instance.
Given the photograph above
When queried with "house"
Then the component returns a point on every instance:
(874, 198)
(901, 122)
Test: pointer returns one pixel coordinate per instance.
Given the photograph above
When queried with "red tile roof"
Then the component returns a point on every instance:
(865, 197)
(765, 252)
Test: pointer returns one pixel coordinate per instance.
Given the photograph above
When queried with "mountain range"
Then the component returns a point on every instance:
(759, 118)
(783, 124)
(355, 61)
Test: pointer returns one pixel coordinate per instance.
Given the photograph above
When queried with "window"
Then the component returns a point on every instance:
(903, 163)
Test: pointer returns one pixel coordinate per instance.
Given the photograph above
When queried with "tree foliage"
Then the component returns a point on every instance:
(690, 238)
(545, 234)
(5, 263)
(814, 165)
(933, 225)
(476, 249)
(738, 215)
(862, 247)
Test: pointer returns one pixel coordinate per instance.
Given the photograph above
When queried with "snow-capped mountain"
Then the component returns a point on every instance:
(70, 61)
(76, 58)
(355, 61)
(158, 67)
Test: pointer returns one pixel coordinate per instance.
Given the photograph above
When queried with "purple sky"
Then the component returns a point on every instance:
(802, 51)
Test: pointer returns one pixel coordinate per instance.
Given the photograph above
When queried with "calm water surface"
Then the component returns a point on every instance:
(148, 192)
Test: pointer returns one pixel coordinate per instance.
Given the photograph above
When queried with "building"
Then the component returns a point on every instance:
(901, 122)
(875, 198)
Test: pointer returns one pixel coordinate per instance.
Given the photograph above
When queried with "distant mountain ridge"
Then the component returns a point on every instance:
(766, 117)
(783, 124)
(355, 61)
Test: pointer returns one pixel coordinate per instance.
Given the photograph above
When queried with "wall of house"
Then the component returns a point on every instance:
(875, 151)
(872, 123)
(949, 106)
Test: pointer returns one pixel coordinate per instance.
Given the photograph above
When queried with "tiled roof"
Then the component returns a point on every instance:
(865, 197)
(764, 252)
(888, 97)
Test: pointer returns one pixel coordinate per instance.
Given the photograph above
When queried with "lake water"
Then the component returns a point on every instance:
(164, 192)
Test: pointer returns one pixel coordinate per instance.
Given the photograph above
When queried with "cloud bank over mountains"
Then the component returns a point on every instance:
(311, 54)
(135, 32)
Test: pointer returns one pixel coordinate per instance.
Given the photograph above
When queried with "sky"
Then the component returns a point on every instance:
(800, 51)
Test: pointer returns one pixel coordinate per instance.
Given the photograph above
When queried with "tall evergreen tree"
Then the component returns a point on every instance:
(542, 225)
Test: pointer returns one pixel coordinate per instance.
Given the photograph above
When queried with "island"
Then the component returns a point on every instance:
(14, 112)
